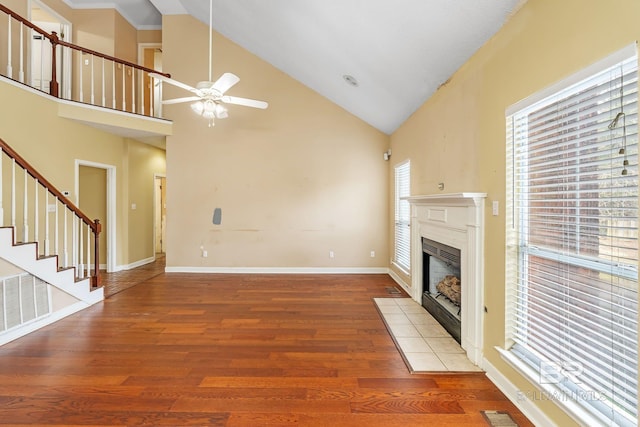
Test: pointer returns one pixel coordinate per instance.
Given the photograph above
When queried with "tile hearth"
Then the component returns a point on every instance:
(425, 345)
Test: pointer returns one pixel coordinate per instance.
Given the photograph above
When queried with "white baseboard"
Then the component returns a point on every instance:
(27, 328)
(279, 270)
(400, 282)
(138, 263)
(526, 406)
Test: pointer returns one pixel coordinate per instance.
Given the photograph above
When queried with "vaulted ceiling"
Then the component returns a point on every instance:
(396, 52)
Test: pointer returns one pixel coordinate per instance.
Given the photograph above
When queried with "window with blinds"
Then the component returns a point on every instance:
(573, 239)
(402, 252)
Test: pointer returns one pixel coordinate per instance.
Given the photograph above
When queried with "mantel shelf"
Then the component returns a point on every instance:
(448, 198)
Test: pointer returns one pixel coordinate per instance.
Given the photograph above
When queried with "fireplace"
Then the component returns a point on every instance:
(442, 288)
(455, 221)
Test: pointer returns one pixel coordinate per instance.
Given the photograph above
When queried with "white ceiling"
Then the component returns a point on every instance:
(399, 51)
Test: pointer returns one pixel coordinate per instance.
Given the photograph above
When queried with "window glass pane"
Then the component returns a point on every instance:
(573, 189)
(402, 250)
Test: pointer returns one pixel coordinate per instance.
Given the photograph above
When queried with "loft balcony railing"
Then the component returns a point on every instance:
(99, 79)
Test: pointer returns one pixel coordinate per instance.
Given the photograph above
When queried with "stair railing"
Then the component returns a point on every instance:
(35, 205)
(102, 80)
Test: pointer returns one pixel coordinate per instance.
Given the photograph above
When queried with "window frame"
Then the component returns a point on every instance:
(519, 252)
(402, 216)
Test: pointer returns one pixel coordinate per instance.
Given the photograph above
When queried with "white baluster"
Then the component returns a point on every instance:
(104, 98)
(21, 65)
(65, 243)
(9, 67)
(124, 93)
(36, 214)
(56, 227)
(42, 65)
(74, 242)
(81, 82)
(151, 91)
(46, 223)
(1, 187)
(133, 90)
(93, 94)
(113, 84)
(80, 261)
(25, 208)
(13, 197)
(88, 251)
(142, 91)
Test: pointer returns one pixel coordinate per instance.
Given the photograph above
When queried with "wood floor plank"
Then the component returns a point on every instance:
(232, 350)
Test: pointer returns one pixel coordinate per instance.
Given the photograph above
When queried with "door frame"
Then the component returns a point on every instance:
(157, 100)
(157, 176)
(111, 206)
(65, 56)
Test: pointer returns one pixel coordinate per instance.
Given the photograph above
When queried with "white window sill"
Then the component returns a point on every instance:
(548, 392)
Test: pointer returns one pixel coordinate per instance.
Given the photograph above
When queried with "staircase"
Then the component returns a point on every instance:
(63, 259)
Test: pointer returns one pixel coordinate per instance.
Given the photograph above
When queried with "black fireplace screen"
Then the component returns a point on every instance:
(442, 294)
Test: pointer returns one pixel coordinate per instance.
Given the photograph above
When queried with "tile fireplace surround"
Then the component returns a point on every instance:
(456, 220)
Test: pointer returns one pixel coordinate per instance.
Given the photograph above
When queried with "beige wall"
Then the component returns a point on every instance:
(458, 136)
(30, 124)
(294, 181)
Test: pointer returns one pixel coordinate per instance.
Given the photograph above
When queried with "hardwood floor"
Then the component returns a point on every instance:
(233, 350)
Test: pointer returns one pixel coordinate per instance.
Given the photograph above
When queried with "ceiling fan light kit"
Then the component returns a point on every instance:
(210, 96)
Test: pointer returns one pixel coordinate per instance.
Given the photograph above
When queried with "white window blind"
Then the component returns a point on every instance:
(402, 253)
(573, 255)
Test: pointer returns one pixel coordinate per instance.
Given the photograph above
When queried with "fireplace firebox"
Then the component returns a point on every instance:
(442, 287)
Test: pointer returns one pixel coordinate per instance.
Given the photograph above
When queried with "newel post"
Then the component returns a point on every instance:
(53, 87)
(96, 254)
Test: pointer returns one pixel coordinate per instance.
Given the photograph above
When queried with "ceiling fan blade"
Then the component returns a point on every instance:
(226, 81)
(173, 82)
(179, 100)
(245, 101)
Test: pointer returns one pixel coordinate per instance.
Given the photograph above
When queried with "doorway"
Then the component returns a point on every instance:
(95, 185)
(40, 51)
(150, 56)
(160, 213)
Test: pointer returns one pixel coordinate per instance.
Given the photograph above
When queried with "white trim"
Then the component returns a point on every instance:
(155, 211)
(457, 220)
(111, 206)
(574, 410)
(526, 406)
(29, 327)
(396, 278)
(113, 5)
(100, 108)
(611, 60)
(135, 264)
(279, 270)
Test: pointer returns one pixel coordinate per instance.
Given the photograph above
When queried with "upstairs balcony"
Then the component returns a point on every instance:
(96, 89)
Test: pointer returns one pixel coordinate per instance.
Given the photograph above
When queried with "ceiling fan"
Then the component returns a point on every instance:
(209, 96)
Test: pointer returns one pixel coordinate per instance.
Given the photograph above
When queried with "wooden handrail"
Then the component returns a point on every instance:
(55, 41)
(95, 225)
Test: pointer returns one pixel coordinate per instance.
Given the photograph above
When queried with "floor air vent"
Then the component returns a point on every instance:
(391, 290)
(499, 419)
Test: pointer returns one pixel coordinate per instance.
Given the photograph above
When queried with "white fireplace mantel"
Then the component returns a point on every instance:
(456, 220)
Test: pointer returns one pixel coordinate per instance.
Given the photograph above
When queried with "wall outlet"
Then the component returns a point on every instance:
(373, 254)
(204, 254)
(331, 254)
